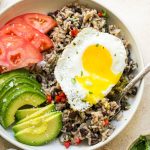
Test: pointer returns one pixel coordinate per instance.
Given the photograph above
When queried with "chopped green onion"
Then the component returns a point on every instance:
(74, 43)
(104, 13)
(73, 80)
(81, 73)
(90, 92)
(97, 45)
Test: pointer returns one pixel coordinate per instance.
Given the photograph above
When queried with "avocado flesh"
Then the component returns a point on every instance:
(8, 75)
(42, 111)
(33, 122)
(21, 114)
(16, 99)
(46, 132)
(14, 92)
(8, 85)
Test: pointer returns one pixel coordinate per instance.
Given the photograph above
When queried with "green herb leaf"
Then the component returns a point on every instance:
(74, 43)
(83, 100)
(104, 13)
(90, 92)
(81, 73)
(97, 45)
(73, 80)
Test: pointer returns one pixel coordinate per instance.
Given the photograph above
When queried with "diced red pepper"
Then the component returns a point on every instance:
(49, 98)
(58, 98)
(67, 144)
(106, 122)
(77, 140)
(63, 100)
(62, 95)
(100, 14)
(74, 32)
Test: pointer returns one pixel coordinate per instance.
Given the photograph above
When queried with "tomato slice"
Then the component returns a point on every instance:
(2, 52)
(18, 53)
(19, 28)
(42, 42)
(41, 22)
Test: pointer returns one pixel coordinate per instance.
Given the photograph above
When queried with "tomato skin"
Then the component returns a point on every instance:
(42, 42)
(19, 53)
(41, 22)
(19, 28)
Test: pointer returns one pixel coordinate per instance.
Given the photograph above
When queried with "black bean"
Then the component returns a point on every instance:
(91, 25)
(83, 132)
(71, 27)
(124, 105)
(106, 28)
(53, 94)
(129, 53)
(69, 128)
(71, 6)
(56, 12)
(134, 91)
(94, 141)
(50, 77)
(73, 114)
(75, 127)
(56, 90)
(80, 22)
(78, 10)
(39, 78)
(51, 14)
(59, 51)
(49, 33)
(67, 105)
(44, 72)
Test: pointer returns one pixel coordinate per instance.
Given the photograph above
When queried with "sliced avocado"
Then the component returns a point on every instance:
(42, 134)
(33, 122)
(10, 83)
(5, 76)
(15, 91)
(17, 98)
(21, 114)
(42, 111)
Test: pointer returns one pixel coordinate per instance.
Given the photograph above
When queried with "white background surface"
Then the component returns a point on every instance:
(136, 13)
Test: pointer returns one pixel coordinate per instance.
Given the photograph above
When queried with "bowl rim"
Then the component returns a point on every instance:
(126, 25)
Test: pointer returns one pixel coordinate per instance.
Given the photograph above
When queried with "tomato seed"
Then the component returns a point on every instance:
(15, 58)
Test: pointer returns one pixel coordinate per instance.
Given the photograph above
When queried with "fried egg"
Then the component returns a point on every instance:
(89, 67)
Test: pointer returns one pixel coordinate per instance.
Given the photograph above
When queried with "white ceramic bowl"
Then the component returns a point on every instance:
(44, 6)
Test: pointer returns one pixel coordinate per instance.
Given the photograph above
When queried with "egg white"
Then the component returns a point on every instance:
(69, 64)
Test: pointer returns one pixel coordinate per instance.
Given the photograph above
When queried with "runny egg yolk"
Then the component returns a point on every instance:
(97, 62)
